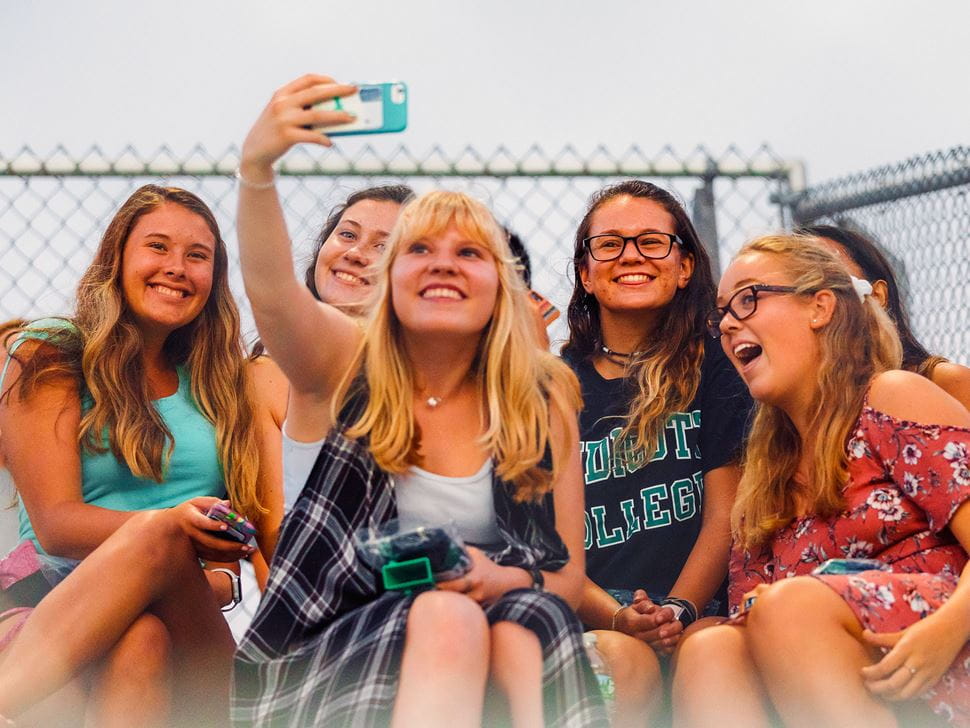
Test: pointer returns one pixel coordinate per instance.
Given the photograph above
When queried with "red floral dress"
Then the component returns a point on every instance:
(906, 480)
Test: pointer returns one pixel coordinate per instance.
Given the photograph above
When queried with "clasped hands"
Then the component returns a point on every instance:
(649, 622)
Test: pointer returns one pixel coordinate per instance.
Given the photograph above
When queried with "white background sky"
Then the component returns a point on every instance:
(841, 84)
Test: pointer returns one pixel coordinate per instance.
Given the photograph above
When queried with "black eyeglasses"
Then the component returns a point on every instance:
(649, 245)
(741, 305)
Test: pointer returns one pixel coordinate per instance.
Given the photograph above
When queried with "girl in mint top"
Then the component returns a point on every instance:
(193, 470)
(121, 427)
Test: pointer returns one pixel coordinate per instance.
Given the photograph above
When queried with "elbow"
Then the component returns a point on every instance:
(570, 586)
(55, 542)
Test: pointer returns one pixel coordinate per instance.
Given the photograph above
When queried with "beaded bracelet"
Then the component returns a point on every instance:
(254, 185)
(615, 615)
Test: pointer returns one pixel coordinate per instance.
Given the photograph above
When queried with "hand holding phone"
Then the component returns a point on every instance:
(379, 108)
(238, 527)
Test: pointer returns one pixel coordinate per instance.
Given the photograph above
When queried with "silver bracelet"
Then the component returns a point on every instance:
(254, 185)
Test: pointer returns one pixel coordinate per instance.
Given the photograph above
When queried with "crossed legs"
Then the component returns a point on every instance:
(129, 601)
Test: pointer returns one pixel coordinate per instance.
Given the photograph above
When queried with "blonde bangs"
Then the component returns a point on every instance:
(515, 412)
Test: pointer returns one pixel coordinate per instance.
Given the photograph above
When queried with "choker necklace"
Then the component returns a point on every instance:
(619, 354)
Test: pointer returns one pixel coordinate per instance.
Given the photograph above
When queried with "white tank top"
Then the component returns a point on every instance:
(429, 499)
(298, 460)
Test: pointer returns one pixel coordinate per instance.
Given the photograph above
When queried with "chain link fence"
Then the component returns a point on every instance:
(54, 207)
(919, 211)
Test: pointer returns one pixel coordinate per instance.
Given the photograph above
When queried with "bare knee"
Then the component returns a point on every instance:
(448, 627)
(514, 649)
(705, 655)
(794, 609)
(152, 542)
(144, 650)
(633, 664)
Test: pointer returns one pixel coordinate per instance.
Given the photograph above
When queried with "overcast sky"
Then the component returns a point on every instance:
(841, 84)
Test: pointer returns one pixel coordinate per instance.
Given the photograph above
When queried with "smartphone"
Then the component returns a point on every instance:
(379, 107)
(239, 528)
(548, 312)
(850, 566)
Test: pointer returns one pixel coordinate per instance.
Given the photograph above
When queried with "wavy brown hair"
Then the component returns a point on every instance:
(101, 350)
(524, 389)
(667, 373)
(875, 266)
(857, 343)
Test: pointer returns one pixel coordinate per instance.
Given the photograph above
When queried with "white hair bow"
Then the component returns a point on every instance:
(862, 287)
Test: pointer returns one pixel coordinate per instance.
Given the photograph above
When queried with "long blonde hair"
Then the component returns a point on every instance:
(857, 343)
(523, 388)
(101, 351)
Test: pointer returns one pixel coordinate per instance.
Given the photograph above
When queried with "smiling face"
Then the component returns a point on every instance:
(775, 349)
(446, 283)
(167, 268)
(343, 272)
(632, 283)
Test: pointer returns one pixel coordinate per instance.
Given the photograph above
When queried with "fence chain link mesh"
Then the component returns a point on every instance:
(54, 207)
(919, 211)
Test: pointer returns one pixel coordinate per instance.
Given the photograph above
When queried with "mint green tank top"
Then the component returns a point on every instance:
(193, 470)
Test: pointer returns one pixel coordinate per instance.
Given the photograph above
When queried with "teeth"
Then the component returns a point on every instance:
(633, 278)
(441, 293)
(747, 352)
(347, 277)
(170, 292)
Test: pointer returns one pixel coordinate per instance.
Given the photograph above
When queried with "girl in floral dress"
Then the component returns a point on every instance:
(847, 458)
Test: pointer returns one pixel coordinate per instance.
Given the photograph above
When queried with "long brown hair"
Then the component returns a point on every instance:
(101, 350)
(875, 266)
(857, 343)
(668, 372)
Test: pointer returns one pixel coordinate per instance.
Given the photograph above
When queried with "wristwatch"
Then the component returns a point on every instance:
(236, 584)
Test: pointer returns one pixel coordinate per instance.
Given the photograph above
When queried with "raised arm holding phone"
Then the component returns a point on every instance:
(438, 389)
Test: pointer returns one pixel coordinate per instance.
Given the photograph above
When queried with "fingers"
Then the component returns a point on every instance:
(320, 92)
(213, 548)
(889, 664)
(882, 639)
(471, 586)
(666, 637)
(902, 684)
(304, 82)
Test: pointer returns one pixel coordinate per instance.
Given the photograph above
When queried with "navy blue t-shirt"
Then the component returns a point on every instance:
(642, 518)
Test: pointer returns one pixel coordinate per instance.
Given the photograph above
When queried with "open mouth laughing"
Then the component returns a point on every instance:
(746, 352)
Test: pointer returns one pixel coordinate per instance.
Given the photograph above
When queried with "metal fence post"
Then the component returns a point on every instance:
(704, 213)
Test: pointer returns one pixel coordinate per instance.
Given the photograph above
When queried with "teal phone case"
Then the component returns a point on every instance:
(394, 99)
